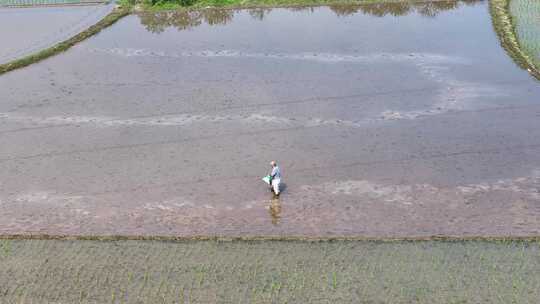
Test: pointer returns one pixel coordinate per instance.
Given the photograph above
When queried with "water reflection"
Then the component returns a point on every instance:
(157, 22)
(275, 210)
(259, 13)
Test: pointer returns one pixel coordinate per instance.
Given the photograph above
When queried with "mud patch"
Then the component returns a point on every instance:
(343, 208)
(423, 194)
(315, 57)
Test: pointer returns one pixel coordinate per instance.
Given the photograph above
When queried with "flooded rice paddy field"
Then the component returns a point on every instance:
(268, 272)
(387, 121)
(24, 31)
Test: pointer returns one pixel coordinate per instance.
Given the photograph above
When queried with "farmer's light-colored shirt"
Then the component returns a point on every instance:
(276, 173)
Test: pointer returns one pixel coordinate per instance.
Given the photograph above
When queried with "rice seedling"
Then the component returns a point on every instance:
(270, 271)
(517, 29)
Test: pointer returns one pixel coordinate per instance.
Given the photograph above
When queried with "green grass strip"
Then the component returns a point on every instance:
(291, 238)
(506, 31)
(108, 20)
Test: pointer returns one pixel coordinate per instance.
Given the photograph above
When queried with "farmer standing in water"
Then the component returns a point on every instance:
(275, 177)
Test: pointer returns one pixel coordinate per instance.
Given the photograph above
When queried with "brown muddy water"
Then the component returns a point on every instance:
(386, 121)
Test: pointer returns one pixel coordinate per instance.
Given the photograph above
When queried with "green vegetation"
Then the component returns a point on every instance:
(65, 45)
(505, 27)
(73, 271)
(526, 18)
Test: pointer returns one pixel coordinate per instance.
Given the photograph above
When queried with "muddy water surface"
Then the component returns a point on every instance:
(386, 121)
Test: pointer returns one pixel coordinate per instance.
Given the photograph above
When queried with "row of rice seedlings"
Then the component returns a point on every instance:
(526, 17)
(505, 28)
(141, 272)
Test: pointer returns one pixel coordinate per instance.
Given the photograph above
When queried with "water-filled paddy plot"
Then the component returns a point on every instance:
(25, 31)
(387, 120)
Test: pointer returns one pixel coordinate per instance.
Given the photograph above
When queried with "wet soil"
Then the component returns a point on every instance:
(385, 122)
